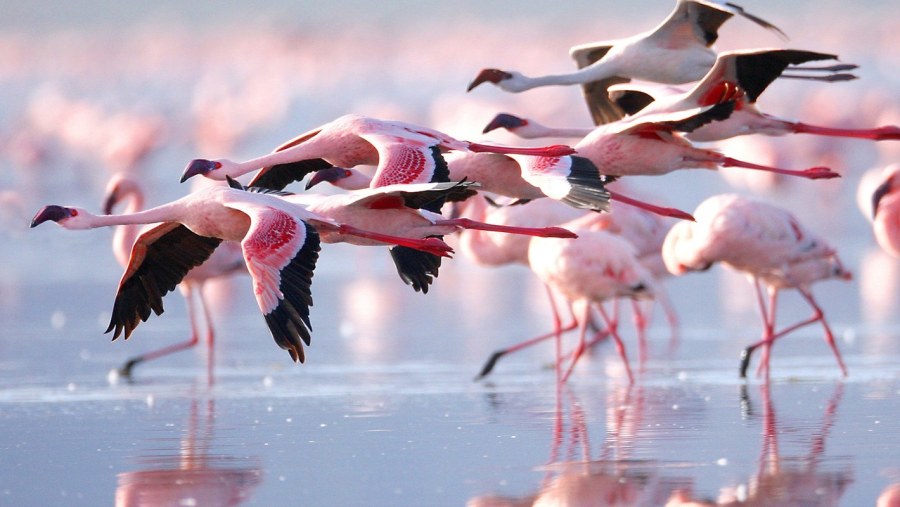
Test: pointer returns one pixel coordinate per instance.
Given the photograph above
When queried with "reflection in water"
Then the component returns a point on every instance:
(575, 478)
(192, 476)
(779, 480)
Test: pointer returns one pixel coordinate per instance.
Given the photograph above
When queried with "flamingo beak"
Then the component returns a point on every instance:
(198, 166)
(492, 75)
(331, 175)
(52, 212)
(879, 193)
(506, 121)
(109, 201)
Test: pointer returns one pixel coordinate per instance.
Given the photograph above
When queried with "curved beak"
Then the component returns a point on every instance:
(506, 121)
(52, 212)
(110, 200)
(879, 193)
(492, 75)
(331, 175)
(197, 166)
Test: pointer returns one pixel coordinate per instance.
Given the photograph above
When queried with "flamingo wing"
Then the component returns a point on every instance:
(281, 251)
(160, 259)
(277, 177)
(402, 160)
(596, 93)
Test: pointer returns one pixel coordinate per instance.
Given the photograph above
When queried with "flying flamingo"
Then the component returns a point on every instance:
(743, 76)
(886, 211)
(770, 246)
(593, 268)
(675, 52)
(279, 240)
(226, 259)
(403, 152)
(652, 145)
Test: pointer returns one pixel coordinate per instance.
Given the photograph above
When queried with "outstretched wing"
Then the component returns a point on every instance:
(277, 177)
(160, 258)
(402, 161)
(281, 253)
(596, 93)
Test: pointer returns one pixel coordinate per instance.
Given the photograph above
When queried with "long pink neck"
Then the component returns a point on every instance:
(292, 154)
(165, 213)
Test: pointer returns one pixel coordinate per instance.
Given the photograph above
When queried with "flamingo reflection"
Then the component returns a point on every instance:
(783, 480)
(193, 476)
(574, 478)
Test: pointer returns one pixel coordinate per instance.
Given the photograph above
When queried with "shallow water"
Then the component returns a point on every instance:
(385, 411)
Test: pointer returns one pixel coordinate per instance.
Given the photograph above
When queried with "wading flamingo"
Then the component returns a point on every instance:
(770, 246)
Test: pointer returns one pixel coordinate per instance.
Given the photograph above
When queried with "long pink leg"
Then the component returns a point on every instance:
(556, 150)
(431, 245)
(544, 232)
(656, 210)
(888, 132)
(763, 367)
(492, 361)
(813, 173)
(829, 336)
(620, 347)
(640, 324)
(129, 365)
(768, 327)
(579, 349)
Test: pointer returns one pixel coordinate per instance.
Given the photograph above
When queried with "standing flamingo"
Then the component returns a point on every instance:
(653, 145)
(770, 246)
(593, 268)
(886, 211)
(227, 259)
(403, 152)
(743, 76)
(675, 52)
(279, 241)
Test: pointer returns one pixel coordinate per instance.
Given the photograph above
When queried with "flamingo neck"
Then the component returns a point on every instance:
(165, 213)
(125, 235)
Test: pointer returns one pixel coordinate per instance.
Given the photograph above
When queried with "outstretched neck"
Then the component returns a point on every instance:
(165, 213)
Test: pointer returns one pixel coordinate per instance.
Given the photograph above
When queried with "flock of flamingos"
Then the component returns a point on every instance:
(563, 210)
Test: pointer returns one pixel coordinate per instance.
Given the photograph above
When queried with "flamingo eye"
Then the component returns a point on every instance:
(347, 173)
(217, 165)
(73, 213)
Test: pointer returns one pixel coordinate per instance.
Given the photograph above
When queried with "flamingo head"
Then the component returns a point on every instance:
(208, 168)
(347, 179)
(506, 121)
(890, 184)
(118, 188)
(70, 218)
(495, 76)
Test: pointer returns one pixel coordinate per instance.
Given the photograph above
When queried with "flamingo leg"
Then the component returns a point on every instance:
(579, 349)
(813, 173)
(556, 150)
(620, 347)
(639, 317)
(769, 334)
(492, 360)
(829, 336)
(768, 326)
(544, 232)
(656, 210)
(126, 369)
(888, 132)
(210, 335)
(430, 245)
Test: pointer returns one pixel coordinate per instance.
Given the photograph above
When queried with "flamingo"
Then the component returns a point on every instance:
(743, 76)
(652, 145)
(279, 240)
(644, 231)
(225, 260)
(675, 52)
(403, 152)
(769, 245)
(886, 211)
(593, 268)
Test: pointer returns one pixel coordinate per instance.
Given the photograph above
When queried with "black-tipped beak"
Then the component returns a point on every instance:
(492, 75)
(52, 212)
(331, 175)
(198, 166)
(506, 121)
(879, 193)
